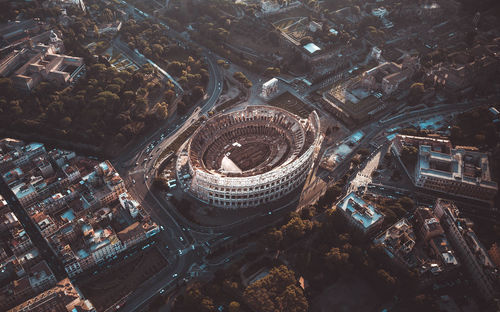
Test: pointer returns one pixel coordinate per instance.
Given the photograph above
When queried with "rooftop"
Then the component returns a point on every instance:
(311, 47)
(64, 293)
(359, 210)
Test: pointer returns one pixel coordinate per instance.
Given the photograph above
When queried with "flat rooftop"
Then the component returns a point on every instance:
(359, 210)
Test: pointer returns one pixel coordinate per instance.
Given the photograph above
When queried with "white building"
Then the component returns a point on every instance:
(270, 87)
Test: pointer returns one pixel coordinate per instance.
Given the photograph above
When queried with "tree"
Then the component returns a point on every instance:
(170, 96)
(296, 228)
(330, 196)
(273, 238)
(479, 139)
(409, 155)
(65, 122)
(161, 111)
(272, 71)
(234, 306)
(386, 280)
(293, 300)
(305, 40)
(196, 300)
(113, 88)
(175, 68)
(407, 203)
(277, 291)
(336, 259)
(197, 93)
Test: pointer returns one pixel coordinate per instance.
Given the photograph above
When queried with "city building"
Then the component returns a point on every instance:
(429, 225)
(26, 284)
(73, 201)
(360, 99)
(270, 87)
(352, 102)
(28, 67)
(8, 219)
(269, 6)
(64, 4)
(398, 242)
(389, 76)
(63, 297)
(474, 256)
(319, 45)
(460, 76)
(359, 214)
(18, 33)
(460, 171)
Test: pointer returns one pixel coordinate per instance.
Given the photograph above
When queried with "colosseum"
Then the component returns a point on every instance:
(251, 156)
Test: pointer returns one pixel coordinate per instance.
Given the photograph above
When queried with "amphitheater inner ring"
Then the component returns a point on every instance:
(239, 146)
(256, 150)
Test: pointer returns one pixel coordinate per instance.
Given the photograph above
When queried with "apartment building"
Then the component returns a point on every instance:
(473, 255)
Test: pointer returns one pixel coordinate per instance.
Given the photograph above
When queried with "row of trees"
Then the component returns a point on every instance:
(242, 79)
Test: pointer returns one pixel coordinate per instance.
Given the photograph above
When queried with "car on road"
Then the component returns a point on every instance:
(133, 181)
(162, 291)
(146, 177)
(162, 228)
(181, 239)
(175, 275)
(137, 163)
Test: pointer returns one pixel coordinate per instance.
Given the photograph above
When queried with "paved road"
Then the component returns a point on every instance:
(138, 179)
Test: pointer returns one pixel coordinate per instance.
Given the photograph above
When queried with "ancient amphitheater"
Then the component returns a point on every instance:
(251, 156)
